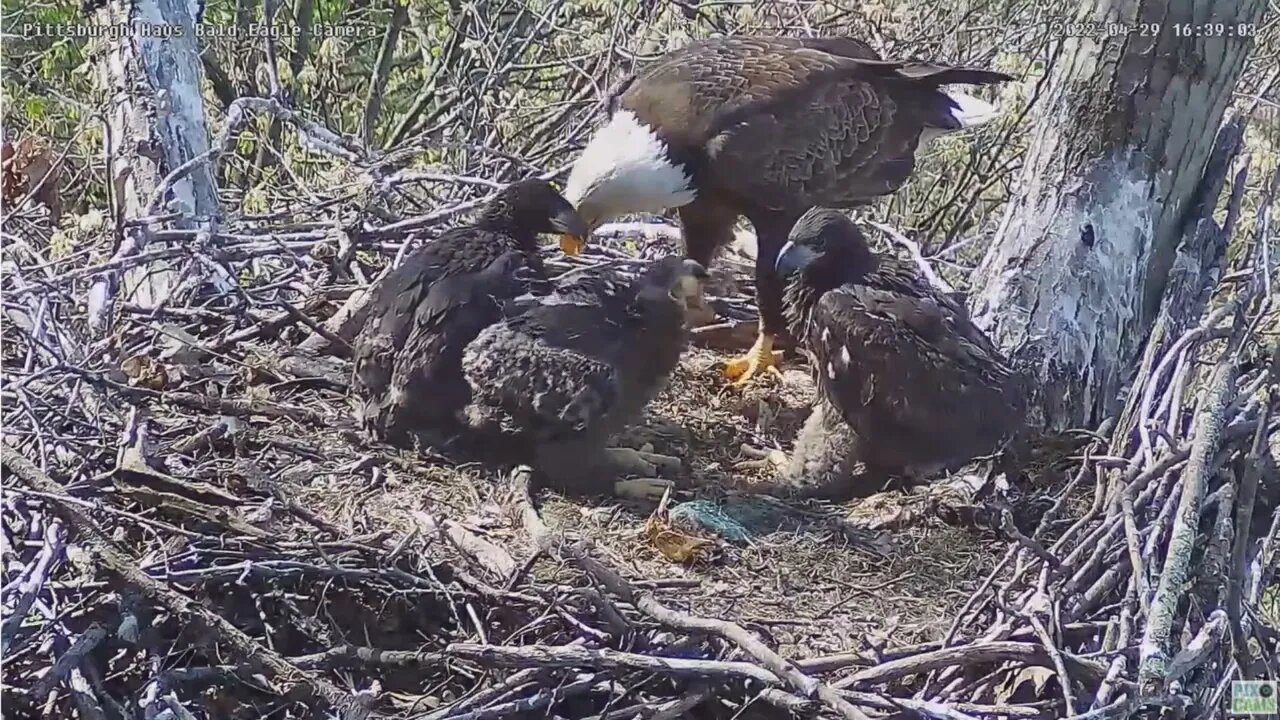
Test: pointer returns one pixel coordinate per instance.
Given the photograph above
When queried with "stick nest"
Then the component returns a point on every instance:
(192, 528)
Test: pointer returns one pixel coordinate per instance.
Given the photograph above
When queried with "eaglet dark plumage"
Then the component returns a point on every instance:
(552, 385)
(407, 374)
(765, 127)
(908, 386)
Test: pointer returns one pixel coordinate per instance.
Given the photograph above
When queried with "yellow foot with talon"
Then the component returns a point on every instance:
(758, 360)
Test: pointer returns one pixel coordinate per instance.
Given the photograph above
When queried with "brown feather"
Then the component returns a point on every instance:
(917, 383)
(769, 127)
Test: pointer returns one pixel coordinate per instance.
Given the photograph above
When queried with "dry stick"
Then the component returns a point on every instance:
(484, 696)
(1119, 663)
(1132, 542)
(677, 708)
(1013, 553)
(315, 327)
(1244, 516)
(916, 256)
(828, 663)
(357, 655)
(571, 656)
(1154, 655)
(83, 697)
(1059, 664)
(69, 660)
(1110, 528)
(647, 604)
(1200, 648)
(238, 407)
(118, 564)
(978, 653)
(30, 587)
(933, 708)
(175, 707)
(542, 699)
(1121, 708)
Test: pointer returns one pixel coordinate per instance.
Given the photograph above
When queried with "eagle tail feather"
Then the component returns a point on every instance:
(964, 111)
(946, 74)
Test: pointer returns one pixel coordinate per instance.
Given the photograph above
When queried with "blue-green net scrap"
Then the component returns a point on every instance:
(736, 519)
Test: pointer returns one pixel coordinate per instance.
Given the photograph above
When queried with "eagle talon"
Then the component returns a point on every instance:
(759, 360)
(626, 461)
(643, 489)
(629, 461)
(666, 464)
(760, 459)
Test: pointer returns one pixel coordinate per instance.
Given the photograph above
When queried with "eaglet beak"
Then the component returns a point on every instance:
(794, 258)
(688, 286)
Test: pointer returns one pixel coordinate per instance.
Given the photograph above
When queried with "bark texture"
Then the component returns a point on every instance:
(1117, 161)
(153, 75)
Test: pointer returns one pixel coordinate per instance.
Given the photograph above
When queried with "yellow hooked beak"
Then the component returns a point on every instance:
(571, 245)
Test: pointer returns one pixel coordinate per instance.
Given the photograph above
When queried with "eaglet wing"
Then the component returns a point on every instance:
(544, 374)
(892, 359)
(395, 302)
(975, 349)
(427, 376)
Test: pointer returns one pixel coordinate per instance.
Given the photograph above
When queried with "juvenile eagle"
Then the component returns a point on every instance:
(408, 357)
(764, 127)
(907, 384)
(552, 385)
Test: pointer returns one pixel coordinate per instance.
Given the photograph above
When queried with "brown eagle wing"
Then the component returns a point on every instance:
(794, 122)
(896, 362)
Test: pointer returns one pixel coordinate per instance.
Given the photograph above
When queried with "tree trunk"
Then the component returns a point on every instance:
(157, 123)
(381, 71)
(1120, 141)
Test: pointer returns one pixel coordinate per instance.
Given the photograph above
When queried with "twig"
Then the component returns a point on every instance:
(977, 653)
(916, 256)
(293, 680)
(1197, 652)
(69, 660)
(35, 580)
(570, 656)
(356, 655)
(646, 603)
(1154, 654)
(1244, 512)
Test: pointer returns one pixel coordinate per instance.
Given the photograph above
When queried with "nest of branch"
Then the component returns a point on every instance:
(192, 529)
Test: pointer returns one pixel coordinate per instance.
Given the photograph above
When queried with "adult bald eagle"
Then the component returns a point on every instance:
(408, 357)
(764, 127)
(907, 384)
(551, 386)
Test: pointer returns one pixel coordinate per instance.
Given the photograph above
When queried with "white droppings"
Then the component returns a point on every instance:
(1075, 314)
(831, 371)
(826, 334)
(625, 169)
(844, 355)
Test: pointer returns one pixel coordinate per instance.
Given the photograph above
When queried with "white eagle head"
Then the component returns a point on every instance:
(624, 169)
